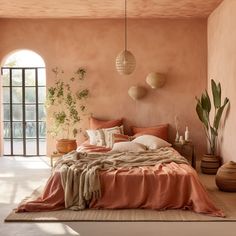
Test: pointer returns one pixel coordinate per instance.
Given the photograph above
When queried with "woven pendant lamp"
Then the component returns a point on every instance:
(155, 80)
(125, 61)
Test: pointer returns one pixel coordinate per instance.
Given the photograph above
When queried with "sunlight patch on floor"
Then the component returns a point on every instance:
(7, 175)
(29, 162)
(6, 192)
(56, 229)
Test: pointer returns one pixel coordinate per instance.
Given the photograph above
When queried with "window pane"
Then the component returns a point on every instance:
(30, 77)
(6, 112)
(16, 77)
(42, 129)
(31, 148)
(41, 94)
(41, 77)
(42, 147)
(42, 112)
(6, 95)
(30, 112)
(6, 77)
(17, 95)
(6, 130)
(30, 129)
(18, 146)
(17, 112)
(30, 95)
(7, 147)
(17, 130)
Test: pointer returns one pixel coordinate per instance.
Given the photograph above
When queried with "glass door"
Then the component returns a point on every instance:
(24, 94)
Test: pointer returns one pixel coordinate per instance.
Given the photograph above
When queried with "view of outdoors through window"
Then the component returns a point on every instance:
(24, 93)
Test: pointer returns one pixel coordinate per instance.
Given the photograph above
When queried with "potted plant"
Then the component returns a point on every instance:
(65, 103)
(211, 162)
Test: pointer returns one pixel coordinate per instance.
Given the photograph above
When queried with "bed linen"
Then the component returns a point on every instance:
(161, 186)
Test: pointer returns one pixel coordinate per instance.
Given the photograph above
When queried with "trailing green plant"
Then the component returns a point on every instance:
(65, 104)
(204, 108)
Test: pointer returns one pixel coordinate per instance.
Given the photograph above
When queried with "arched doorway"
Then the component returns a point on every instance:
(24, 93)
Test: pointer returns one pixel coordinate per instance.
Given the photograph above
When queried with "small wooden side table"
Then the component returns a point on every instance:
(55, 155)
(187, 150)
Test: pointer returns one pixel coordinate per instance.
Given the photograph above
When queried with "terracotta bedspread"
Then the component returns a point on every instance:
(164, 186)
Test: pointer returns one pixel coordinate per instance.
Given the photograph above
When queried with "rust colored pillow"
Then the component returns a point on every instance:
(121, 138)
(160, 131)
(102, 124)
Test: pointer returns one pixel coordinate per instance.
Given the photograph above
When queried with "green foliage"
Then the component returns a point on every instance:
(65, 103)
(203, 109)
(82, 94)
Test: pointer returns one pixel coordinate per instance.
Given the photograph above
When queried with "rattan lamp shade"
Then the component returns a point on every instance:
(125, 63)
(137, 92)
(155, 80)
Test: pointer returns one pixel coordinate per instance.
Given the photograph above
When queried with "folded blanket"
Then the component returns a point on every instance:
(79, 171)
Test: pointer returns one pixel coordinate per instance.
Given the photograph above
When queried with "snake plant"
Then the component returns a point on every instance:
(204, 108)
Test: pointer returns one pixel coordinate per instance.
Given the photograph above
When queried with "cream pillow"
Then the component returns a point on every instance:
(100, 137)
(128, 147)
(96, 137)
(151, 142)
(92, 136)
(103, 137)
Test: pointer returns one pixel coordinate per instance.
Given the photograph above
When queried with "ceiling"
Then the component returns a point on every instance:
(106, 8)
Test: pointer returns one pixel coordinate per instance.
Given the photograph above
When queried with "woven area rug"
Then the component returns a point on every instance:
(225, 201)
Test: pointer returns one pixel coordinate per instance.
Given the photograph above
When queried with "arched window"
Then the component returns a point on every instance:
(24, 92)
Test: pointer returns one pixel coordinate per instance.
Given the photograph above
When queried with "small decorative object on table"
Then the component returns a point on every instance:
(177, 128)
(187, 150)
(186, 134)
(226, 177)
(181, 139)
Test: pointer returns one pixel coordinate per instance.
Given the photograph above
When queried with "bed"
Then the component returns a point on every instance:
(156, 180)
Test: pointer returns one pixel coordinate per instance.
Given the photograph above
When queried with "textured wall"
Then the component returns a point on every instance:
(107, 8)
(177, 48)
(222, 67)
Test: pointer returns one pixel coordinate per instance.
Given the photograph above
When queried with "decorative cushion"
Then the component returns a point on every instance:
(109, 132)
(92, 136)
(100, 137)
(102, 124)
(151, 142)
(160, 131)
(128, 147)
(116, 138)
(103, 137)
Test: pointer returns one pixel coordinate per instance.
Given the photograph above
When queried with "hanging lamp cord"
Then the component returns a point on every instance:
(125, 25)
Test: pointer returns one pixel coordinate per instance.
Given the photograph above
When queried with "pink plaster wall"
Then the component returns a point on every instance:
(222, 67)
(177, 48)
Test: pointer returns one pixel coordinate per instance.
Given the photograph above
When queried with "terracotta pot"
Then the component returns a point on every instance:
(66, 145)
(226, 177)
(210, 164)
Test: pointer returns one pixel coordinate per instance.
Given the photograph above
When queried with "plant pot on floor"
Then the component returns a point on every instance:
(210, 164)
(66, 145)
(226, 177)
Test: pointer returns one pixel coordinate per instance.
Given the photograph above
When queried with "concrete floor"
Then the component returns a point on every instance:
(19, 176)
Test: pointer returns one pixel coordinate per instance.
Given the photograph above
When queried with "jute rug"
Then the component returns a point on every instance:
(225, 201)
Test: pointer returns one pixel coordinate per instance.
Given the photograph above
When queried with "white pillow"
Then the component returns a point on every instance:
(92, 136)
(103, 137)
(128, 147)
(151, 142)
(96, 137)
